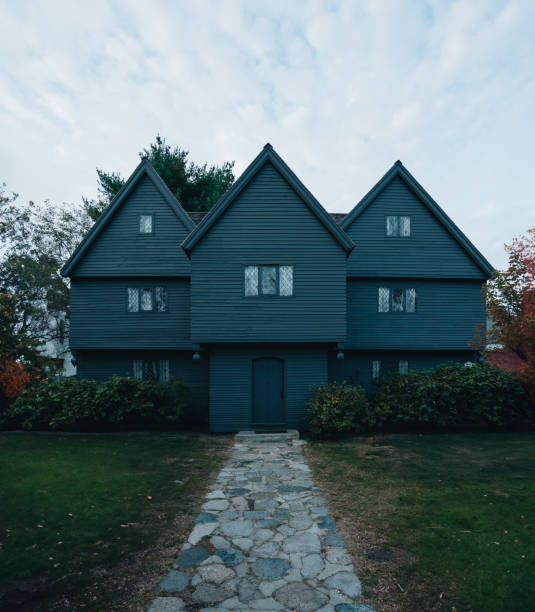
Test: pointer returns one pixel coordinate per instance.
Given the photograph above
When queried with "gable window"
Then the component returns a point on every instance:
(396, 299)
(403, 366)
(268, 280)
(376, 369)
(148, 299)
(398, 226)
(145, 224)
(153, 370)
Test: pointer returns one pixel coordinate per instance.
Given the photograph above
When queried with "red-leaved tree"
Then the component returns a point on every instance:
(510, 298)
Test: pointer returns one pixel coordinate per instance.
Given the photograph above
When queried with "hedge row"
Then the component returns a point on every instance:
(85, 405)
(451, 396)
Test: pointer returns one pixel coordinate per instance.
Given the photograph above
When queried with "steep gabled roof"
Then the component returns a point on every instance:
(399, 170)
(267, 154)
(143, 169)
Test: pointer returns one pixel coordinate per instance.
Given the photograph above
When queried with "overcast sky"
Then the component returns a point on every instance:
(340, 89)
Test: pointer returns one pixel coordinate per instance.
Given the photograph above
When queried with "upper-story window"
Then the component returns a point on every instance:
(396, 300)
(268, 280)
(398, 226)
(145, 224)
(148, 299)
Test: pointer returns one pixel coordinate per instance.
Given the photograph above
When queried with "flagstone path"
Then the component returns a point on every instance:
(264, 541)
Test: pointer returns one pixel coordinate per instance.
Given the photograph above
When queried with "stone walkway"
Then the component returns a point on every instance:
(263, 541)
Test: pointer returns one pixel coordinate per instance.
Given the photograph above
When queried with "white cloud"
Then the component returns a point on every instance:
(341, 89)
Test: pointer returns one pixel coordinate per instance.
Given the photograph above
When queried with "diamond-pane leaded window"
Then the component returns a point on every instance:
(376, 369)
(397, 300)
(146, 299)
(160, 299)
(392, 228)
(137, 368)
(133, 299)
(251, 280)
(403, 366)
(404, 226)
(410, 300)
(145, 224)
(384, 299)
(269, 280)
(286, 280)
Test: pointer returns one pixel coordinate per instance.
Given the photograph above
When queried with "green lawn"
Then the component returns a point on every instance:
(456, 512)
(76, 507)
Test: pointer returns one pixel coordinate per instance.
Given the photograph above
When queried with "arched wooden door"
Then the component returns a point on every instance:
(268, 392)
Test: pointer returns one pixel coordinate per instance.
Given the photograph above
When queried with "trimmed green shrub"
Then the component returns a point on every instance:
(451, 395)
(118, 403)
(336, 408)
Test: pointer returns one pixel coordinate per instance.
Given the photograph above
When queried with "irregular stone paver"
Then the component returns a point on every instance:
(167, 604)
(273, 543)
(301, 597)
(190, 558)
(271, 569)
(174, 582)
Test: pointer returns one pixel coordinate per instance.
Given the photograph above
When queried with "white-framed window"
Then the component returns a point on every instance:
(150, 369)
(376, 369)
(403, 366)
(396, 299)
(268, 280)
(145, 224)
(398, 226)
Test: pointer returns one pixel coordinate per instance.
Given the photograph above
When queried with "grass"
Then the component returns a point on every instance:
(92, 518)
(455, 512)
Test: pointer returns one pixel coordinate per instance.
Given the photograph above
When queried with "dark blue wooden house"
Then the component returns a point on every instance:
(269, 294)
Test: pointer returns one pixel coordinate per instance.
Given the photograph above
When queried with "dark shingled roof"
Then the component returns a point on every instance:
(197, 217)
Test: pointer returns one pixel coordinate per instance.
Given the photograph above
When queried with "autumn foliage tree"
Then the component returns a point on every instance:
(510, 298)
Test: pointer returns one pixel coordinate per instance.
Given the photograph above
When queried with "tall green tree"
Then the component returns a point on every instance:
(35, 242)
(196, 187)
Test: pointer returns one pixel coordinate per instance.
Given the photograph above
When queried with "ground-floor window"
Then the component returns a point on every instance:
(402, 367)
(376, 369)
(152, 370)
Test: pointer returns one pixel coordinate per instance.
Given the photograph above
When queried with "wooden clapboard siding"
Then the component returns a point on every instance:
(356, 367)
(268, 223)
(231, 382)
(430, 251)
(120, 250)
(446, 315)
(100, 320)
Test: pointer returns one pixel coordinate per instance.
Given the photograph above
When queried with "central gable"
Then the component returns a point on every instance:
(268, 222)
(274, 184)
